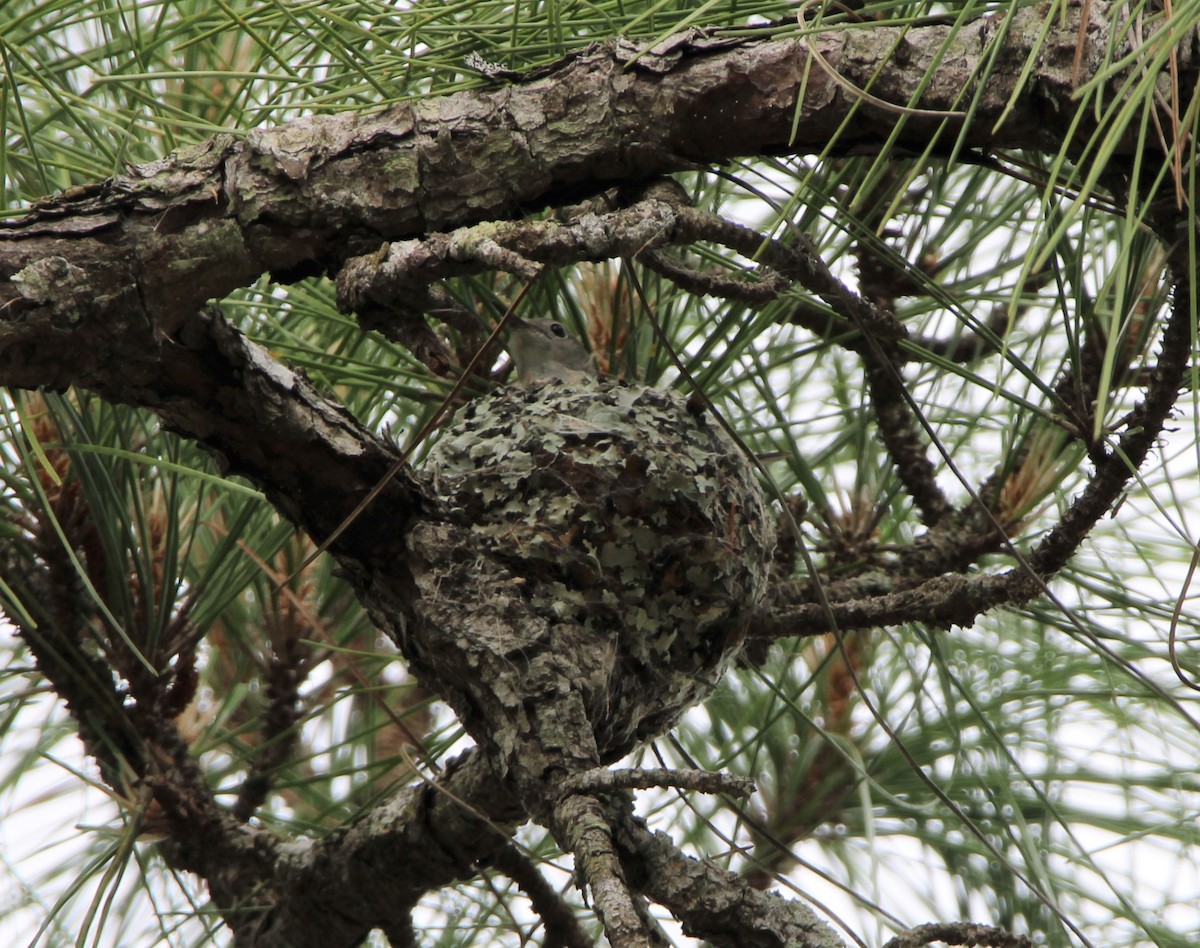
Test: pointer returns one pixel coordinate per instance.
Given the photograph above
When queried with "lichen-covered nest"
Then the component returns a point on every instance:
(626, 511)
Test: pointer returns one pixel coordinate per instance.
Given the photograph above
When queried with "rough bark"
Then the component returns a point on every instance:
(94, 277)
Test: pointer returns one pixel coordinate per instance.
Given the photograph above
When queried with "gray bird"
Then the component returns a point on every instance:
(543, 350)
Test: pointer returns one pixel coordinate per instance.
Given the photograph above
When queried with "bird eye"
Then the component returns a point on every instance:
(559, 330)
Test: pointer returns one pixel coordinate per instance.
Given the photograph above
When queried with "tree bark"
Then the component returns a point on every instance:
(94, 277)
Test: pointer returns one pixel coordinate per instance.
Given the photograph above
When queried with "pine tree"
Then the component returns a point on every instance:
(322, 627)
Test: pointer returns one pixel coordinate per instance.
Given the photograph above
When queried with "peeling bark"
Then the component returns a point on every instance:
(93, 276)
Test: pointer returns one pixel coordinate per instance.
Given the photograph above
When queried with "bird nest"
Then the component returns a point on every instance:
(623, 510)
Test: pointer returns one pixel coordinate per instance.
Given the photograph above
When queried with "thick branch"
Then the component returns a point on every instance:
(365, 876)
(312, 458)
(143, 251)
(715, 904)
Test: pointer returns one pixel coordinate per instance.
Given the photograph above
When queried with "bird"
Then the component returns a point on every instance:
(601, 540)
(543, 349)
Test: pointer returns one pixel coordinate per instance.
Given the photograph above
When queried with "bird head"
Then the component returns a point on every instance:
(543, 349)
